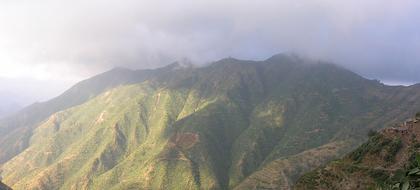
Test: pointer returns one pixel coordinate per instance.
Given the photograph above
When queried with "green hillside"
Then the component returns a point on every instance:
(232, 124)
(390, 159)
(16, 130)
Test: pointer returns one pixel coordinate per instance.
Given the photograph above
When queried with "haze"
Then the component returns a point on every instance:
(49, 45)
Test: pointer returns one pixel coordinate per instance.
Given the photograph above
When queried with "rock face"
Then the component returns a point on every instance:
(389, 160)
(232, 124)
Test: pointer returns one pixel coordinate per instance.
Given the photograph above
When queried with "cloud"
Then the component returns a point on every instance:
(69, 40)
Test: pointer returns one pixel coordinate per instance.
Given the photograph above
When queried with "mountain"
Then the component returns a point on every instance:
(233, 124)
(16, 130)
(390, 159)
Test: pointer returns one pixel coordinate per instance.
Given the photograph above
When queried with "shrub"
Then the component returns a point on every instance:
(393, 149)
(309, 180)
(380, 176)
(374, 145)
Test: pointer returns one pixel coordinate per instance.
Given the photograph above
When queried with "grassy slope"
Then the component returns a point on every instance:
(380, 163)
(223, 126)
(16, 130)
(325, 111)
(281, 173)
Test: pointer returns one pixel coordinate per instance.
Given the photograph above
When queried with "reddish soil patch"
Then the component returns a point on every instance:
(184, 140)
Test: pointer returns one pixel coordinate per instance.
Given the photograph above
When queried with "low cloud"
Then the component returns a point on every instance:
(70, 40)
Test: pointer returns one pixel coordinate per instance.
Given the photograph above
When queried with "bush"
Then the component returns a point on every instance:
(393, 149)
(380, 176)
(309, 180)
(374, 145)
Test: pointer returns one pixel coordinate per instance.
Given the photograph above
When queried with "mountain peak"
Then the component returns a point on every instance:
(178, 65)
(248, 119)
(286, 57)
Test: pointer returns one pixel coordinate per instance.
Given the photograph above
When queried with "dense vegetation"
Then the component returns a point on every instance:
(233, 124)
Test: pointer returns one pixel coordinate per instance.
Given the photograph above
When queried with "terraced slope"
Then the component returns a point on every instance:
(232, 124)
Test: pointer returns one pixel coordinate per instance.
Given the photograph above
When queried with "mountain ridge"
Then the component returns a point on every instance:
(214, 127)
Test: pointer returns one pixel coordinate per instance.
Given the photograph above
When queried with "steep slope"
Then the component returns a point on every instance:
(333, 106)
(232, 124)
(390, 159)
(15, 130)
(280, 173)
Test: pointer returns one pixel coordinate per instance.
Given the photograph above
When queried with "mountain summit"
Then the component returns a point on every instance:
(233, 124)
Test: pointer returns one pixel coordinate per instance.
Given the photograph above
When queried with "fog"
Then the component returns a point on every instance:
(62, 42)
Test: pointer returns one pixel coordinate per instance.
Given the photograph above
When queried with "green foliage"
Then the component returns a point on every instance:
(380, 176)
(372, 173)
(411, 179)
(374, 145)
(202, 128)
(310, 180)
(393, 149)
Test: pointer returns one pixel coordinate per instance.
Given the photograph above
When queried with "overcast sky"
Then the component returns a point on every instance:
(68, 40)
